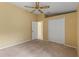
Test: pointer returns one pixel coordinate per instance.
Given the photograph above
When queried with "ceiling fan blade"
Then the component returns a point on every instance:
(29, 7)
(32, 11)
(40, 11)
(45, 7)
(37, 4)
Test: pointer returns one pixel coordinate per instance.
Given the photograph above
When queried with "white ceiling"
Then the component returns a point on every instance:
(55, 7)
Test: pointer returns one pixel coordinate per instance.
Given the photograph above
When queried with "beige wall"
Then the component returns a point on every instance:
(15, 25)
(40, 17)
(70, 28)
(78, 30)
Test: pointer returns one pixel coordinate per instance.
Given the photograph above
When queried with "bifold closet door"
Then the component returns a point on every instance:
(56, 30)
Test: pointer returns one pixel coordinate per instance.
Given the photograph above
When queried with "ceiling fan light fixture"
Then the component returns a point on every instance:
(37, 7)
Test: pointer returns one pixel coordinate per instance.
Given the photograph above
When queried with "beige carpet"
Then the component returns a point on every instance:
(37, 48)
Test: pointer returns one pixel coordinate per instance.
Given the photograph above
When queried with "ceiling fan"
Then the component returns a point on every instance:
(37, 7)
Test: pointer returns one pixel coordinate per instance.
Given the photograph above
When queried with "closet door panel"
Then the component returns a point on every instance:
(56, 30)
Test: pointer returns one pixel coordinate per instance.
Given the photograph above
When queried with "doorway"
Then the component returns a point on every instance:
(34, 30)
(37, 30)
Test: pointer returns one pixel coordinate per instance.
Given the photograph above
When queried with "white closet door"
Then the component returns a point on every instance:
(56, 30)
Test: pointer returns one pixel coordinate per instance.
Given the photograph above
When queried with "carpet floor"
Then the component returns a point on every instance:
(38, 48)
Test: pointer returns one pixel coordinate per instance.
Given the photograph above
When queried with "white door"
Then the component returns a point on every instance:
(34, 30)
(40, 30)
(56, 30)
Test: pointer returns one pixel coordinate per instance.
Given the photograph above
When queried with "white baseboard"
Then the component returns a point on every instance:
(13, 44)
(70, 46)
